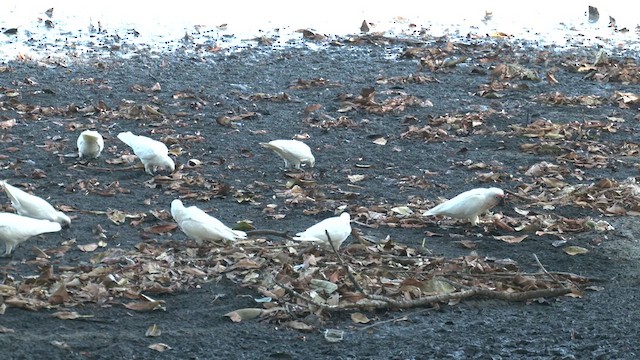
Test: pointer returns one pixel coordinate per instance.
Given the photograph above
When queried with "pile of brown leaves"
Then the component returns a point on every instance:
(295, 279)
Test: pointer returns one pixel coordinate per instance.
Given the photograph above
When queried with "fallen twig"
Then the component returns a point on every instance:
(517, 195)
(282, 234)
(344, 266)
(545, 270)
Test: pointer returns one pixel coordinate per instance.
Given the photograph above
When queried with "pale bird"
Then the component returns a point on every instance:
(293, 152)
(338, 228)
(16, 229)
(33, 206)
(153, 154)
(201, 226)
(90, 144)
(469, 204)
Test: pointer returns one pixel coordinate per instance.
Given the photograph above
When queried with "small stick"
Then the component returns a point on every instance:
(404, 318)
(545, 271)
(283, 234)
(346, 268)
(517, 195)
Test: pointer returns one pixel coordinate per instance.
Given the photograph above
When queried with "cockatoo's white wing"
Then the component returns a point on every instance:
(152, 153)
(90, 144)
(33, 206)
(201, 226)
(338, 227)
(469, 204)
(293, 152)
(15, 229)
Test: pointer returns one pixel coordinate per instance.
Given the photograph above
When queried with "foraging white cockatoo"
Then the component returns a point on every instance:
(293, 152)
(338, 227)
(33, 206)
(15, 229)
(201, 226)
(469, 204)
(90, 144)
(153, 154)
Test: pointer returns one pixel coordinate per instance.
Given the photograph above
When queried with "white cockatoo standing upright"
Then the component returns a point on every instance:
(33, 206)
(201, 226)
(153, 153)
(293, 152)
(90, 144)
(15, 229)
(469, 204)
(338, 228)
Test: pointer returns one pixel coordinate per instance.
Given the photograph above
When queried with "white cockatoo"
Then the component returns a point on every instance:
(153, 154)
(16, 229)
(293, 152)
(90, 144)
(201, 226)
(338, 228)
(469, 204)
(33, 206)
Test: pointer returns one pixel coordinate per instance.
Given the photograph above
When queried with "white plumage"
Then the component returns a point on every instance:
(33, 206)
(338, 227)
(153, 154)
(293, 152)
(90, 144)
(469, 204)
(16, 229)
(201, 226)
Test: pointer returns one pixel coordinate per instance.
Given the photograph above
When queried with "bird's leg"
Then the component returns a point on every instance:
(7, 251)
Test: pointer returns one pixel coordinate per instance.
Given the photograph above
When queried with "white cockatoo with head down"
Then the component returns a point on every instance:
(201, 226)
(90, 144)
(16, 229)
(33, 206)
(469, 204)
(153, 153)
(338, 228)
(293, 152)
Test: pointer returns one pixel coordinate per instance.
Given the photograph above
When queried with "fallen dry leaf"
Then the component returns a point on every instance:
(244, 314)
(5, 330)
(299, 325)
(511, 239)
(146, 305)
(575, 250)
(359, 318)
(159, 347)
(380, 141)
(356, 178)
(153, 331)
(88, 247)
(69, 315)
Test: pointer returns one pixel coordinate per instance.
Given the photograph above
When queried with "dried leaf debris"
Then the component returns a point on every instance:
(295, 279)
